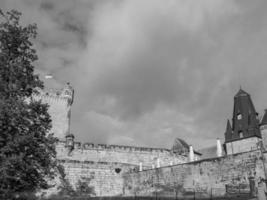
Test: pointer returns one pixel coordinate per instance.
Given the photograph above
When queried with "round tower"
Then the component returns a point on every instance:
(68, 93)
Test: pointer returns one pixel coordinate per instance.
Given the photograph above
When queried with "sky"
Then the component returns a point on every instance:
(148, 71)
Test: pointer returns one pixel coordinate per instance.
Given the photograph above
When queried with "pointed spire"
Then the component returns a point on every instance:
(228, 131)
(241, 92)
(228, 126)
(264, 118)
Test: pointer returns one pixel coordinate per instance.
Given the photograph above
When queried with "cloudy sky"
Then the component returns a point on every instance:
(148, 71)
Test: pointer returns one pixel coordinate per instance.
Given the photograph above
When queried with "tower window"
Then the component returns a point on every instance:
(239, 116)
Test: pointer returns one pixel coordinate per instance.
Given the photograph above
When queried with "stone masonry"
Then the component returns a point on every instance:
(202, 176)
(114, 170)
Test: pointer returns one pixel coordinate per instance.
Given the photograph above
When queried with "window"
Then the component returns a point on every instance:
(241, 135)
(118, 170)
(67, 92)
(239, 116)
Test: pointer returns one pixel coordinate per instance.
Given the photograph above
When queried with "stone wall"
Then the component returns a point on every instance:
(120, 154)
(105, 178)
(103, 166)
(243, 145)
(204, 176)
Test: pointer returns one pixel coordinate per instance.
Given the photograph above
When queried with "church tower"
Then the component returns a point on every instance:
(244, 134)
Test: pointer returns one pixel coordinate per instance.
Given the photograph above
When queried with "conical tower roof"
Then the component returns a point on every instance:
(264, 118)
(241, 93)
(228, 131)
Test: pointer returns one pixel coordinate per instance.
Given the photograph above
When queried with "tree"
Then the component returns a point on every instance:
(27, 150)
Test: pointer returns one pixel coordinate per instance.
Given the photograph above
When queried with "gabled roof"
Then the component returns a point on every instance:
(180, 146)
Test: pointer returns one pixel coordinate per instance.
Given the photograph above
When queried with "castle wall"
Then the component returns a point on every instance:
(102, 177)
(244, 145)
(120, 154)
(207, 176)
(97, 165)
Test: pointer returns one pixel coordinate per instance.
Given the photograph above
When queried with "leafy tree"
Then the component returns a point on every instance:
(27, 150)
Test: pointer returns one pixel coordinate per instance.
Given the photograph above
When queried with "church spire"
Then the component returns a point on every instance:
(241, 92)
(244, 123)
(228, 131)
(264, 118)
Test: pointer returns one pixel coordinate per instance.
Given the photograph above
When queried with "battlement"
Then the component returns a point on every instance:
(49, 96)
(92, 146)
(79, 162)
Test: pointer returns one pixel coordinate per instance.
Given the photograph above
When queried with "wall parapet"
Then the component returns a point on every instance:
(202, 175)
(50, 97)
(94, 162)
(196, 162)
(92, 146)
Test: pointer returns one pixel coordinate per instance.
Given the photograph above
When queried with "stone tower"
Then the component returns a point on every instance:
(244, 134)
(59, 102)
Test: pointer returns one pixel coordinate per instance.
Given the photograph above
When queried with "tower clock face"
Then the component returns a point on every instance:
(239, 116)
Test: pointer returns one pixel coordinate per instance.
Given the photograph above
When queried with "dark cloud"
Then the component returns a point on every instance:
(46, 5)
(151, 69)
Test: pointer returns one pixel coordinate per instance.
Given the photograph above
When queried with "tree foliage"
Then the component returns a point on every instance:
(27, 151)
